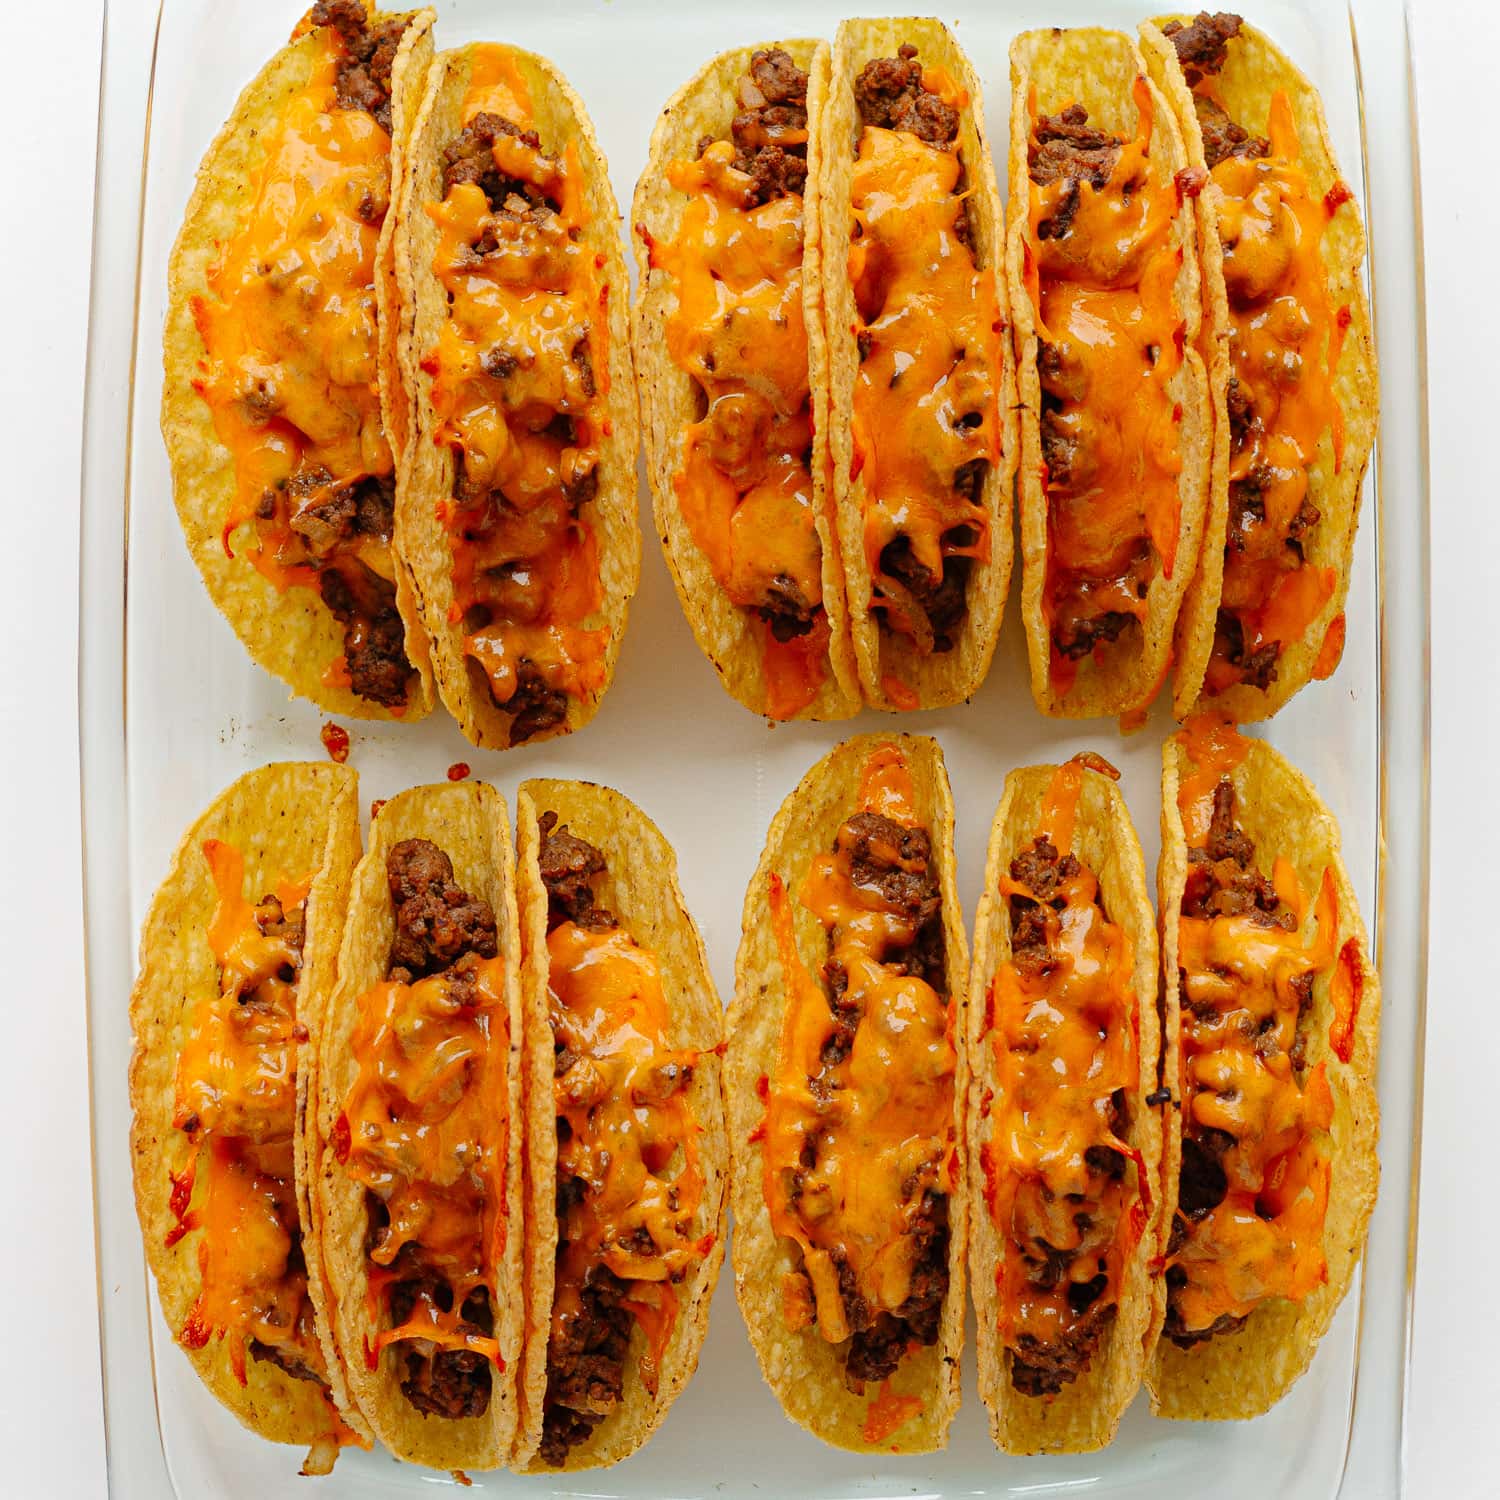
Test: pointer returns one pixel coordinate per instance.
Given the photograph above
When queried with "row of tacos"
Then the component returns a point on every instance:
(1151, 1150)
(429, 1144)
(851, 364)
(401, 377)
(433, 1145)
(399, 401)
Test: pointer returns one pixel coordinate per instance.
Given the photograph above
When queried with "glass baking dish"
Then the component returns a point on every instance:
(172, 710)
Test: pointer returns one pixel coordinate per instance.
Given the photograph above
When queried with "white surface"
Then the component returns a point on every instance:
(56, 1437)
(51, 1420)
(1455, 1389)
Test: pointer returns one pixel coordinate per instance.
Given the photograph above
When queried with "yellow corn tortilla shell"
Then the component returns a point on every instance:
(1255, 71)
(289, 822)
(426, 481)
(670, 397)
(641, 888)
(951, 676)
(467, 821)
(1085, 1414)
(805, 1372)
(1098, 69)
(1242, 1374)
(291, 634)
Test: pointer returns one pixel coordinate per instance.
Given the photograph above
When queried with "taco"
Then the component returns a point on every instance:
(1065, 1123)
(517, 510)
(1291, 365)
(846, 1077)
(281, 409)
(626, 1157)
(416, 1160)
(733, 359)
(922, 377)
(237, 957)
(1115, 425)
(1272, 1013)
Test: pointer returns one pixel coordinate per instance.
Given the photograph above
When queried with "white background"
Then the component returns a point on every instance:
(50, 1427)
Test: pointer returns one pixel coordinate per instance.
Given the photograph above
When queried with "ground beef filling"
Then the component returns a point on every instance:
(586, 1360)
(333, 524)
(1065, 147)
(440, 929)
(364, 71)
(890, 95)
(765, 131)
(1200, 43)
(1038, 1368)
(1222, 881)
(884, 854)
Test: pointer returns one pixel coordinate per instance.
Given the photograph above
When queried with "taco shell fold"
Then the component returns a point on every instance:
(286, 627)
(594, 393)
(911, 1409)
(1255, 72)
(289, 825)
(638, 887)
(468, 823)
(1116, 659)
(1085, 1412)
(898, 669)
(673, 399)
(1240, 1374)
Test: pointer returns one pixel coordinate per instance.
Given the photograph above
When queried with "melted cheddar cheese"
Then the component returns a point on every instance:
(745, 486)
(630, 1137)
(879, 1123)
(1285, 337)
(927, 394)
(1065, 1039)
(1112, 332)
(1245, 987)
(424, 1130)
(235, 1098)
(519, 384)
(288, 323)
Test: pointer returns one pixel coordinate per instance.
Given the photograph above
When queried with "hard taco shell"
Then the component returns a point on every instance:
(1242, 1374)
(467, 821)
(705, 106)
(1098, 68)
(426, 481)
(803, 1370)
(290, 633)
(641, 889)
(1086, 1413)
(882, 655)
(289, 822)
(1254, 72)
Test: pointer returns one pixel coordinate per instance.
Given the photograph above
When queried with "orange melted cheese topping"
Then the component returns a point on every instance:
(236, 1100)
(880, 1122)
(927, 394)
(288, 322)
(519, 385)
(1065, 1034)
(745, 485)
(1241, 1075)
(1107, 311)
(631, 1136)
(425, 1129)
(1285, 339)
